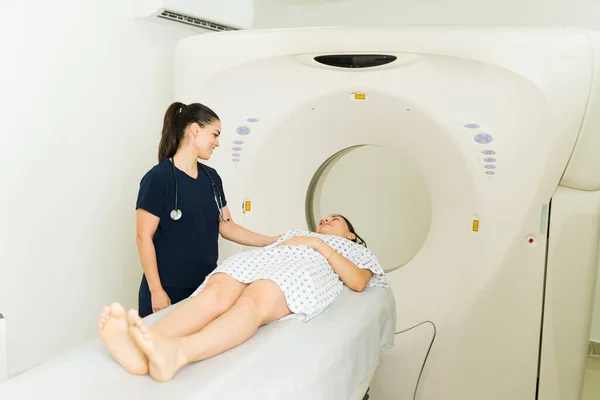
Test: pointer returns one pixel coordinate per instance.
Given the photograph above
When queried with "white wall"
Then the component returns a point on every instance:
(83, 91)
(295, 13)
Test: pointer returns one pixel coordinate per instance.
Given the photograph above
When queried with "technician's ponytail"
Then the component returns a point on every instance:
(169, 140)
(177, 118)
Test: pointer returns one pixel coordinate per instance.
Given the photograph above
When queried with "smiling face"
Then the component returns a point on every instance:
(335, 225)
(204, 139)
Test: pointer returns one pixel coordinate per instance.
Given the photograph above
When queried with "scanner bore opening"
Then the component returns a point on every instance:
(382, 193)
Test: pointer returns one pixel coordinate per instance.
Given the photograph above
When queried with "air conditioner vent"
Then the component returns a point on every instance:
(184, 19)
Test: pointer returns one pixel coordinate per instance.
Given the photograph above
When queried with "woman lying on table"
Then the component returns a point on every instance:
(299, 276)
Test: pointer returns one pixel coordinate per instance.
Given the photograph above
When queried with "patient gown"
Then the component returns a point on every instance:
(305, 277)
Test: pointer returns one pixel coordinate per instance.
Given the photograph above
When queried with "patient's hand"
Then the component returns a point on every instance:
(300, 241)
(275, 238)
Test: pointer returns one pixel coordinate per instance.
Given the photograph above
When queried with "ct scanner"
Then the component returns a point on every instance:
(504, 126)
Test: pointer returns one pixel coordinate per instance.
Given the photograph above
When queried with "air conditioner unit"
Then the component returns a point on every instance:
(214, 15)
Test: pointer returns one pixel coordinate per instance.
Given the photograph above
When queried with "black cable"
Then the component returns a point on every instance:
(426, 355)
(540, 348)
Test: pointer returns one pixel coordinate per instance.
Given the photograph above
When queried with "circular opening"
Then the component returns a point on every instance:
(382, 194)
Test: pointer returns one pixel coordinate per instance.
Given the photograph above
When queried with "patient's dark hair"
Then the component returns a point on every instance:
(358, 239)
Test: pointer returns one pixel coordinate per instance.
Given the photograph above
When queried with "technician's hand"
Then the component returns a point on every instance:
(160, 300)
(300, 241)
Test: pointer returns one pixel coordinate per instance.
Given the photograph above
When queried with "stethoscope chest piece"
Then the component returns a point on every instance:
(176, 214)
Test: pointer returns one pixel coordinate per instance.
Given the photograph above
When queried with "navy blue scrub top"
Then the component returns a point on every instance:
(187, 249)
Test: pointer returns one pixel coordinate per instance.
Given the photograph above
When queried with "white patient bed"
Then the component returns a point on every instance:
(331, 357)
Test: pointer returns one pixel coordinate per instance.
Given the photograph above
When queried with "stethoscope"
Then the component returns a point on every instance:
(176, 213)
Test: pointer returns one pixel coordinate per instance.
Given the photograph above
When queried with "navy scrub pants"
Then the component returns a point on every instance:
(145, 299)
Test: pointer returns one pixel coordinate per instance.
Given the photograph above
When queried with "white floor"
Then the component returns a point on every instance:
(591, 383)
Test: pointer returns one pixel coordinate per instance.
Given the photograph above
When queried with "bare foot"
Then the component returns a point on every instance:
(115, 335)
(164, 354)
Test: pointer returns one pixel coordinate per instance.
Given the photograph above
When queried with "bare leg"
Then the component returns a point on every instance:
(114, 331)
(219, 295)
(260, 303)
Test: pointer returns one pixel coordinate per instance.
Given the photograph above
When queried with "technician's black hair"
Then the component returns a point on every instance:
(177, 117)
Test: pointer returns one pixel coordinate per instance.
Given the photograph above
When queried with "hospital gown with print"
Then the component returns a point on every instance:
(305, 277)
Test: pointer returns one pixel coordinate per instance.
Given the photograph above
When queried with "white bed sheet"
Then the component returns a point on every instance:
(324, 359)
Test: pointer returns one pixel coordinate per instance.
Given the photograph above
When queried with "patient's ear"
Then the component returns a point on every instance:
(352, 236)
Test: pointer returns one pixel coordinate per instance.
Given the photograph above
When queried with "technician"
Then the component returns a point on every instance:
(182, 209)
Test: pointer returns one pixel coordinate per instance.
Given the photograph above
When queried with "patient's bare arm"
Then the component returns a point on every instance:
(354, 277)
